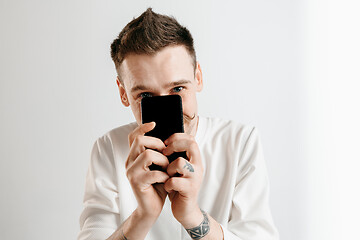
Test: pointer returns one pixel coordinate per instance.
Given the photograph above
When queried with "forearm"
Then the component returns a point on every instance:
(136, 226)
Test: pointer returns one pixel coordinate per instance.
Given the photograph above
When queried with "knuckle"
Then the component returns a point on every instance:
(166, 185)
(130, 139)
(133, 135)
(127, 163)
(129, 174)
(147, 153)
(135, 177)
(170, 182)
(153, 175)
(193, 145)
(137, 139)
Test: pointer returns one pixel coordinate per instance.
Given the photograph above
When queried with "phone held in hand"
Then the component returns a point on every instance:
(166, 112)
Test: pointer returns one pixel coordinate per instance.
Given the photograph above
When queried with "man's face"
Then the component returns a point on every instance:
(170, 71)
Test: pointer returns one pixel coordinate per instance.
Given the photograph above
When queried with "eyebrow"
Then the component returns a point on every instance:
(172, 84)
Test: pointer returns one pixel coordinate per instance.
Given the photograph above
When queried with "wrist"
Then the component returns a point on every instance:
(193, 219)
(200, 230)
(147, 218)
(137, 225)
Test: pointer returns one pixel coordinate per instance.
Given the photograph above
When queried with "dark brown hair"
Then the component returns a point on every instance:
(149, 33)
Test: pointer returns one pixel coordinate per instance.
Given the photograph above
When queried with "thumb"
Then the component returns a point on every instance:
(141, 130)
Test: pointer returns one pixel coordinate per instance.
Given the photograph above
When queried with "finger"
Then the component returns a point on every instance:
(184, 145)
(141, 143)
(148, 157)
(141, 130)
(177, 137)
(172, 195)
(159, 187)
(178, 184)
(180, 166)
(152, 177)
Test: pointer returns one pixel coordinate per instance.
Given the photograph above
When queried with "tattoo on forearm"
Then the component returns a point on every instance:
(123, 236)
(188, 166)
(201, 230)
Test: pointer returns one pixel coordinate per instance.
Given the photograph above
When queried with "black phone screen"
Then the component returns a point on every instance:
(166, 112)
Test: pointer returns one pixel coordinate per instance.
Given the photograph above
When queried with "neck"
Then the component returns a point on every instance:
(193, 126)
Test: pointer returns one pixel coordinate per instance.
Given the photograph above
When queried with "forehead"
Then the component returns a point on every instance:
(170, 64)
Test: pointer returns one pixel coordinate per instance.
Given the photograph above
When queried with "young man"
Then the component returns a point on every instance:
(219, 192)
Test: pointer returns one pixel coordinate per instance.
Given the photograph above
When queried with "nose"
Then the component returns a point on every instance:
(161, 93)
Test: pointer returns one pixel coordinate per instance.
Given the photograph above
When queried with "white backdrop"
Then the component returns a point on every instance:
(291, 68)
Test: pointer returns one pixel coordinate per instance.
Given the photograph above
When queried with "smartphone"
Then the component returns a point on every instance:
(166, 112)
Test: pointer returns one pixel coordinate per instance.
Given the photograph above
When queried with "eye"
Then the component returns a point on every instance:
(145, 94)
(177, 89)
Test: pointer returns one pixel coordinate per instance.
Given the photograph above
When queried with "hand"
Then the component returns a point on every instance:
(147, 185)
(185, 179)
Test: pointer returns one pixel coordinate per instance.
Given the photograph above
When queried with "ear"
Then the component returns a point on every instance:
(198, 78)
(123, 95)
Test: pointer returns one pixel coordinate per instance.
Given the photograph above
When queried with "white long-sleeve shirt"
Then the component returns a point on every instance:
(234, 190)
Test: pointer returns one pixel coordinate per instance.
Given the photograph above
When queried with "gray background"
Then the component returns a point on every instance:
(288, 67)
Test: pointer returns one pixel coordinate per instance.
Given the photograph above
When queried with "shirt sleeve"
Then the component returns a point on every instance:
(250, 217)
(100, 216)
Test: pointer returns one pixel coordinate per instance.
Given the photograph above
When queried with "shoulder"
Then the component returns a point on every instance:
(228, 135)
(117, 136)
(239, 143)
(110, 146)
(228, 129)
